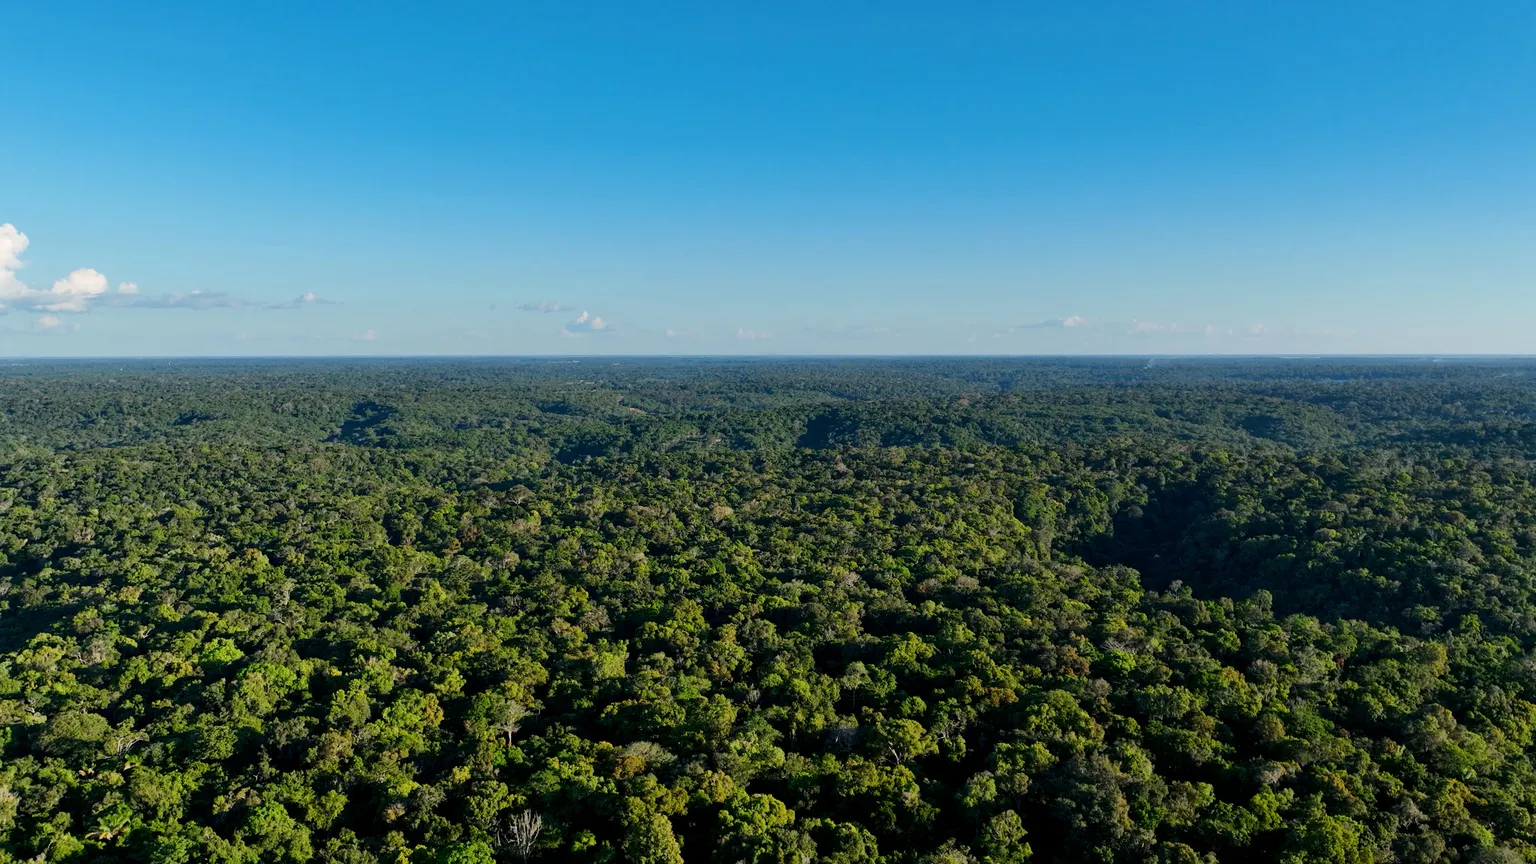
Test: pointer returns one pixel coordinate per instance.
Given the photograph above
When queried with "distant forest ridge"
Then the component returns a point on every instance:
(598, 406)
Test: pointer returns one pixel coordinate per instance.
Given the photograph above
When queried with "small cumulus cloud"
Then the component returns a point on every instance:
(682, 334)
(1071, 322)
(543, 306)
(752, 335)
(367, 336)
(85, 289)
(12, 244)
(50, 323)
(73, 293)
(308, 298)
(586, 322)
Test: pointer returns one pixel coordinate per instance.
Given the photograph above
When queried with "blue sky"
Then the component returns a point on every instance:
(827, 177)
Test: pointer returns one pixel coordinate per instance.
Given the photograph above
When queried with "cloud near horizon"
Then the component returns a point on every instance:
(586, 322)
(84, 289)
(73, 293)
(308, 298)
(1071, 322)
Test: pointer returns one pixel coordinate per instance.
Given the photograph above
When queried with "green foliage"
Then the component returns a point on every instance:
(473, 852)
(857, 612)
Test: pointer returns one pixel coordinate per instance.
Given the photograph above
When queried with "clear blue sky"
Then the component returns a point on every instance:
(816, 177)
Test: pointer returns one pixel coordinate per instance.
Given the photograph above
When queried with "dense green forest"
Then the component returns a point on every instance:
(938, 610)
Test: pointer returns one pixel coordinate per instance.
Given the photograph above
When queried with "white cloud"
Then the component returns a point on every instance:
(50, 322)
(751, 335)
(74, 293)
(308, 298)
(85, 288)
(70, 294)
(12, 244)
(543, 306)
(1071, 322)
(682, 334)
(367, 336)
(587, 323)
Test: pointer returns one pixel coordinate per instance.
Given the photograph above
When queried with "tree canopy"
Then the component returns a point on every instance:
(846, 611)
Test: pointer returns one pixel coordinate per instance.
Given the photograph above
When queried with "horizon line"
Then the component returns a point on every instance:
(108, 358)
